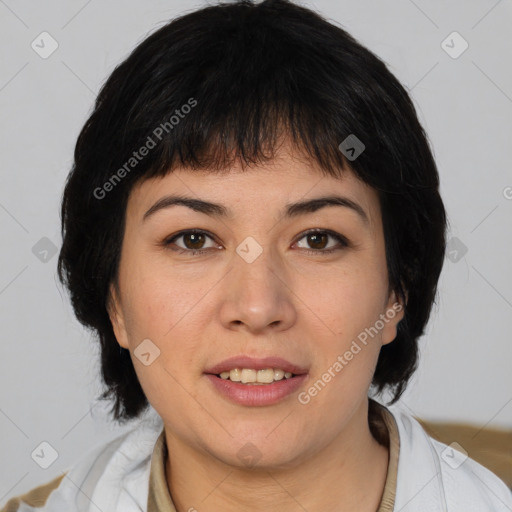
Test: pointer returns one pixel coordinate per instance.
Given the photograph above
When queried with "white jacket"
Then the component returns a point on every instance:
(432, 477)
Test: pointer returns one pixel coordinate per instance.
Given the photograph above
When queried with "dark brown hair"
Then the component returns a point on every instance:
(247, 71)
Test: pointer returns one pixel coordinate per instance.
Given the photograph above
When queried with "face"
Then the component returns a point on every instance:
(255, 278)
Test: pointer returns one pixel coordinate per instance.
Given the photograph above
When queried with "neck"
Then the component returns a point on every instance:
(347, 475)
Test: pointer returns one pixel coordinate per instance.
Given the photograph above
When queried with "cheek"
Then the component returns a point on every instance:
(349, 302)
(167, 308)
(349, 305)
(162, 309)
(162, 299)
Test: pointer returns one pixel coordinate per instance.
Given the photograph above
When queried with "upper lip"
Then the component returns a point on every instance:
(255, 364)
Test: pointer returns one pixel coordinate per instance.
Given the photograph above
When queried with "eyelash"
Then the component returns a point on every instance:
(196, 252)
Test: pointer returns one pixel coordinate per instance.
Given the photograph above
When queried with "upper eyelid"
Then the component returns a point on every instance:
(174, 237)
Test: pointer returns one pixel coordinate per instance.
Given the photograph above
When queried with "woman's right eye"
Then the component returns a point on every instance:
(193, 241)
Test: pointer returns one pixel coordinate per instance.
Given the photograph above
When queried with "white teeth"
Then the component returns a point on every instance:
(250, 376)
(235, 375)
(265, 376)
(278, 374)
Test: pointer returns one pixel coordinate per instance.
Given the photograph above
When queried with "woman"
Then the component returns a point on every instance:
(253, 228)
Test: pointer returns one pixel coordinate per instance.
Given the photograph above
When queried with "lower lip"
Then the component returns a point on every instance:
(254, 395)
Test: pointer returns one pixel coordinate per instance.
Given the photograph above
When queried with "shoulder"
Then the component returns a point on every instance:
(111, 471)
(62, 492)
(35, 498)
(434, 474)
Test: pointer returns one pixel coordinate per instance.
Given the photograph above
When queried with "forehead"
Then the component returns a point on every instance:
(287, 179)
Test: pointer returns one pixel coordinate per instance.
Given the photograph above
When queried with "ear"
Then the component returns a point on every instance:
(116, 316)
(393, 313)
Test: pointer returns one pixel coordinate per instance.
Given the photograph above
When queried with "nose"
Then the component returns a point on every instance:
(257, 295)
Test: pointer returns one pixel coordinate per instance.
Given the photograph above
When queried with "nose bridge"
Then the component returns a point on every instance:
(256, 293)
(255, 268)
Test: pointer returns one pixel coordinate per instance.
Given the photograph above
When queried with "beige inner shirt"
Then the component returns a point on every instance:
(159, 499)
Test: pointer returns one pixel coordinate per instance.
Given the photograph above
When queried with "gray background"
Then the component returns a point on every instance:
(49, 367)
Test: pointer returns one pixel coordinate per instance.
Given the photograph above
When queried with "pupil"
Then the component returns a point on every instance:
(198, 237)
(317, 237)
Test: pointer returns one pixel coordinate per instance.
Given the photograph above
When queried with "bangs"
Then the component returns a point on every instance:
(247, 140)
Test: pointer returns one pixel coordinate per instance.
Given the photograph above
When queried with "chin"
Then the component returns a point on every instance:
(259, 454)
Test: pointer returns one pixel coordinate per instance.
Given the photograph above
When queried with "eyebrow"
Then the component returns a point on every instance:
(291, 209)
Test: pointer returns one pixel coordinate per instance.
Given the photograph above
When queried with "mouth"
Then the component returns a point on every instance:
(253, 369)
(256, 377)
(256, 382)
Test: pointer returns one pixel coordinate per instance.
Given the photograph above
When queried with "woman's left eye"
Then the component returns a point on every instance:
(194, 240)
(319, 237)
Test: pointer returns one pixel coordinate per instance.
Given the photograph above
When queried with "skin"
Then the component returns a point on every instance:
(306, 308)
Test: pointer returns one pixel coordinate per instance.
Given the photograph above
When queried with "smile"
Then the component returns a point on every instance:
(250, 376)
